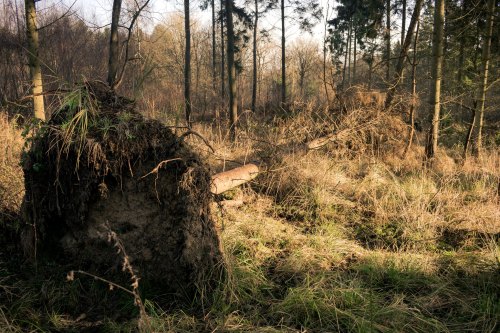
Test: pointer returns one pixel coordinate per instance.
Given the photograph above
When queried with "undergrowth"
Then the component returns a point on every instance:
(351, 237)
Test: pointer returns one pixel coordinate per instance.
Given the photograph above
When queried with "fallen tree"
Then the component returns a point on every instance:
(98, 167)
(227, 180)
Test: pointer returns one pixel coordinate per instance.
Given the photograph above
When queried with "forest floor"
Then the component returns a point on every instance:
(353, 237)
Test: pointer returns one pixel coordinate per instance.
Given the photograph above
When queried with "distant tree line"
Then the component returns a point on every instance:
(445, 52)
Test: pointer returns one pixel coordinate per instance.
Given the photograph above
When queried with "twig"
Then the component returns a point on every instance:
(159, 166)
(205, 141)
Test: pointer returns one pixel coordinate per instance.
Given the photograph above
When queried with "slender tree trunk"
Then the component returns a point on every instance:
(354, 58)
(214, 54)
(344, 70)
(34, 60)
(413, 91)
(398, 74)
(223, 58)
(388, 40)
(349, 39)
(468, 137)
(187, 64)
(113, 43)
(325, 50)
(485, 62)
(283, 57)
(231, 71)
(436, 76)
(403, 27)
(254, 55)
(370, 71)
(403, 22)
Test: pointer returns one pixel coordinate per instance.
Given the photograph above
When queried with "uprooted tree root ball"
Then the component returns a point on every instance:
(99, 166)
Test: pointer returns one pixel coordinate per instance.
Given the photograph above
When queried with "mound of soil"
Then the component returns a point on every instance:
(98, 167)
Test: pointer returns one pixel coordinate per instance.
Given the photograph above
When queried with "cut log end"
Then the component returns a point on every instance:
(227, 180)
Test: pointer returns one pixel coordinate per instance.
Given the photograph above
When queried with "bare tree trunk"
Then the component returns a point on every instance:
(254, 55)
(354, 58)
(187, 64)
(468, 137)
(344, 70)
(34, 60)
(325, 52)
(398, 74)
(485, 61)
(370, 71)
(388, 40)
(403, 27)
(349, 40)
(113, 43)
(283, 56)
(214, 60)
(413, 91)
(436, 76)
(223, 58)
(403, 22)
(231, 71)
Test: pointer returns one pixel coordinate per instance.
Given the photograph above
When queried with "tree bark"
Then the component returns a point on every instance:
(344, 70)
(227, 180)
(214, 55)
(349, 41)
(403, 22)
(187, 65)
(231, 71)
(113, 43)
(223, 58)
(34, 60)
(485, 61)
(354, 63)
(398, 74)
(325, 52)
(436, 76)
(388, 40)
(413, 91)
(254, 55)
(283, 57)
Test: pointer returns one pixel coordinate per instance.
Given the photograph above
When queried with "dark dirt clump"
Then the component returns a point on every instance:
(99, 166)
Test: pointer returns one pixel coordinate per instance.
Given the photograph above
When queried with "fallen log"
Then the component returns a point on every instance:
(320, 142)
(227, 180)
(324, 140)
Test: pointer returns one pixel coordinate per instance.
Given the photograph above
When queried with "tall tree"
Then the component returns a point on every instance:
(187, 64)
(223, 58)
(413, 92)
(283, 56)
(325, 50)
(308, 13)
(257, 12)
(403, 20)
(254, 55)
(398, 74)
(34, 60)
(483, 83)
(388, 40)
(436, 77)
(113, 43)
(214, 53)
(231, 70)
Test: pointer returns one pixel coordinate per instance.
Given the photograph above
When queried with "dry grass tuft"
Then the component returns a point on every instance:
(11, 175)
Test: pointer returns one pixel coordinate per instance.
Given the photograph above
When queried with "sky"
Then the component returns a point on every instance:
(99, 12)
